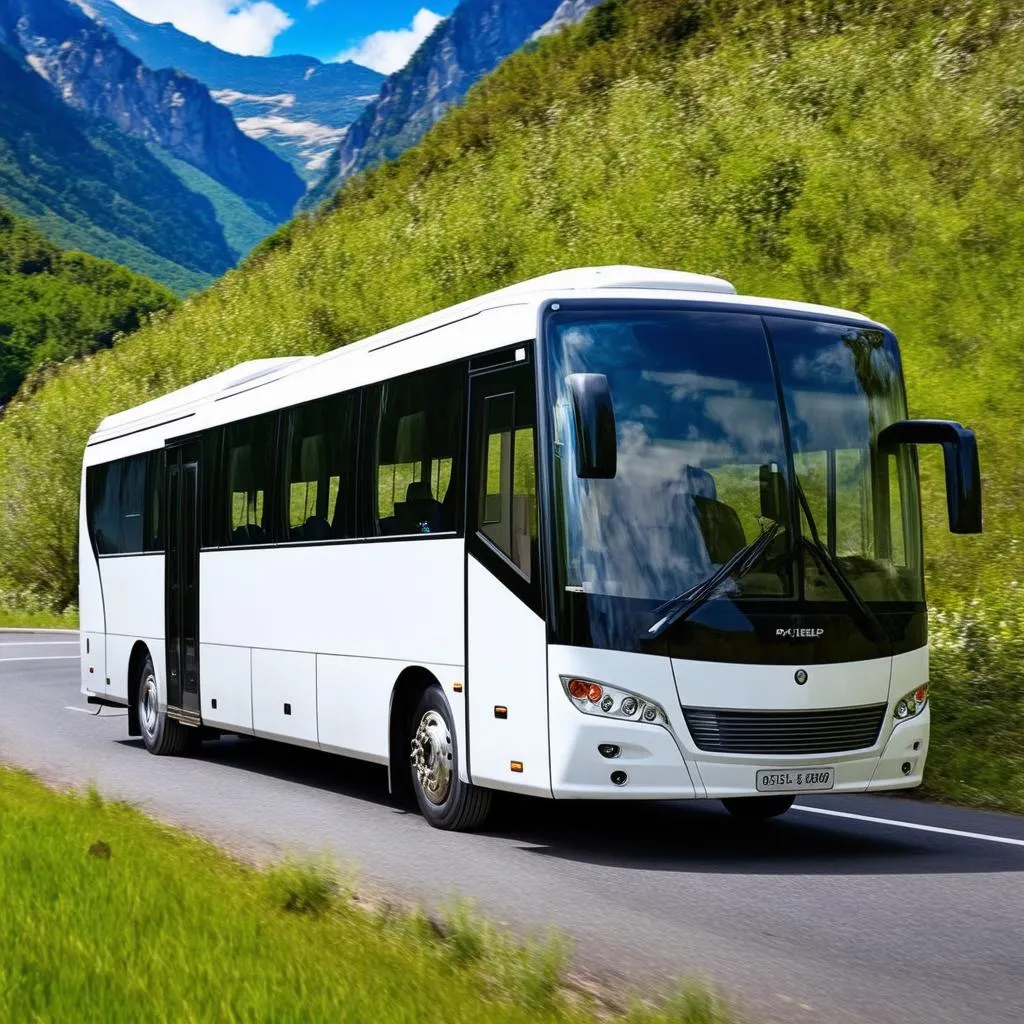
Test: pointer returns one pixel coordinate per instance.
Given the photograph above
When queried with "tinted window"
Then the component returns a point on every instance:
(697, 421)
(212, 495)
(842, 385)
(104, 490)
(154, 538)
(508, 496)
(132, 504)
(416, 426)
(116, 493)
(247, 480)
(319, 454)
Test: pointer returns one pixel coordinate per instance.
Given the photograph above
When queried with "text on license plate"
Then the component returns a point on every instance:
(788, 780)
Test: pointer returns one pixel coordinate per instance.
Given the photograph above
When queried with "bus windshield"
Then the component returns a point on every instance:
(700, 429)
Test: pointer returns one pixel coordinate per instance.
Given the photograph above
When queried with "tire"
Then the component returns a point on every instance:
(758, 808)
(444, 800)
(162, 735)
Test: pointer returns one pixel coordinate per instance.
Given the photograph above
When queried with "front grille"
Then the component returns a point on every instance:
(785, 732)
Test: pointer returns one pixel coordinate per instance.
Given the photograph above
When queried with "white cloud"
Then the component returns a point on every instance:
(239, 26)
(388, 51)
(313, 3)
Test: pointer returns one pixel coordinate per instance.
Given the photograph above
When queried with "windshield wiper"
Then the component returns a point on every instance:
(677, 608)
(872, 624)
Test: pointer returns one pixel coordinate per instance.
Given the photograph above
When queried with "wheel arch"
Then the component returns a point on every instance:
(411, 684)
(135, 662)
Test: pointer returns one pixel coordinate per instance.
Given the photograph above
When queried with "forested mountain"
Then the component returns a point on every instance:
(847, 152)
(477, 37)
(56, 304)
(89, 186)
(93, 73)
(296, 105)
(135, 165)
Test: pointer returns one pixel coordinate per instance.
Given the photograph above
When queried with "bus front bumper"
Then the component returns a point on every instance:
(660, 765)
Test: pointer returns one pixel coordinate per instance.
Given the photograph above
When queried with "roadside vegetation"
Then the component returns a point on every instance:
(21, 619)
(856, 153)
(110, 916)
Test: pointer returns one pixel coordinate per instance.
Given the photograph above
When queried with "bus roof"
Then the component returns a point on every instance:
(518, 305)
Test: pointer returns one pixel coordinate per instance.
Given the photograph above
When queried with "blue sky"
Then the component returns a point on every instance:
(334, 26)
(383, 34)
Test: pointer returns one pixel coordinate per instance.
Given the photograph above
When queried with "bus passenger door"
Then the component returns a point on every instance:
(506, 674)
(181, 581)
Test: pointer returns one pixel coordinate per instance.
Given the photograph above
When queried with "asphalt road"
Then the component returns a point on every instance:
(813, 917)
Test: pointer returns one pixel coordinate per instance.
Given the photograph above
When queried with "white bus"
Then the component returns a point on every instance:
(611, 533)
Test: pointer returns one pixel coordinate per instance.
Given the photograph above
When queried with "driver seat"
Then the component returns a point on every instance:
(719, 523)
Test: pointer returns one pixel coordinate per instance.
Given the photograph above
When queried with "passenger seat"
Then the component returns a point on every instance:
(420, 512)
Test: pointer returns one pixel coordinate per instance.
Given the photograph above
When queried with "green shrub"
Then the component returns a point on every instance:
(303, 887)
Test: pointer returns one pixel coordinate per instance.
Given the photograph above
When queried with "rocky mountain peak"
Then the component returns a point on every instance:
(93, 72)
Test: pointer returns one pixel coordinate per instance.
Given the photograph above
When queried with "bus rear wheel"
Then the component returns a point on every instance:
(758, 808)
(162, 735)
(444, 800)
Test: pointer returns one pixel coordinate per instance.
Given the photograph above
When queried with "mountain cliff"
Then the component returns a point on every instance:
(92, 72)
(89, 186)
(295, 105)
(477, 37)
(568, 12)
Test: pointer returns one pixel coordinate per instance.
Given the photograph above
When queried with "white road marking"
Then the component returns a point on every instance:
(96, 713)
(38, 643)
(48, 657)
(912, 825)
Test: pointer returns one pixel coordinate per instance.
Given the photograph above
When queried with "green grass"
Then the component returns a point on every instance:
(109, 916)
(13, 619)
(863, 155)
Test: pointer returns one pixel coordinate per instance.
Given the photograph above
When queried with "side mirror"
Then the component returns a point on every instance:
(773, 493)
(596, 446)
(960, 452)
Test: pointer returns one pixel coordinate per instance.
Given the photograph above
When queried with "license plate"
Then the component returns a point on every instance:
(788, 780)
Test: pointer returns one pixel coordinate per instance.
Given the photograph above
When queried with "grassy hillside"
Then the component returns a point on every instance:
(844, 151)
(55, 304)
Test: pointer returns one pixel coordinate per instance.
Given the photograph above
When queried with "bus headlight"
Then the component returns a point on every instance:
(911, 704)
(606, 701)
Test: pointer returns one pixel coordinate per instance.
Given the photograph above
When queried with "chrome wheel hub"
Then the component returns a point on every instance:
(432, 757)
(149, 706)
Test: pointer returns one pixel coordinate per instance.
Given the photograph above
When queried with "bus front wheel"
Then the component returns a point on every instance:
(758, 808)
(444, 800)
(162, 735)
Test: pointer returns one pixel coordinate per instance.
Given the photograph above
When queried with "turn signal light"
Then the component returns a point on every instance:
(578, 689)
(583, 689)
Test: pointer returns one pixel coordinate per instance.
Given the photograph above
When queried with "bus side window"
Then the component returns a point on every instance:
(320, 447)
(249, 465)
(105, 513)
(415, 452)
(154, 538)
(508, 498)
(132, 505)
